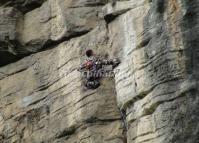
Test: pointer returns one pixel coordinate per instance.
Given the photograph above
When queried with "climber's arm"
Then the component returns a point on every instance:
(81, 67)
(113, 62)
(106, 62)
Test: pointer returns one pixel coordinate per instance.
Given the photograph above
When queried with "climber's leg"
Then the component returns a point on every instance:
(92, 79)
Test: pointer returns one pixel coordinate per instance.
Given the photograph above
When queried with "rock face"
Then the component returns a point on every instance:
(54, 22)
(23, 5)
(49, 103)
(153, 97)
(157, 84)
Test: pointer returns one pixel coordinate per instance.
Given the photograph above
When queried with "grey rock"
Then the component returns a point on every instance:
(42, 97)
(51, 99)
(54, 22)
(156, 84)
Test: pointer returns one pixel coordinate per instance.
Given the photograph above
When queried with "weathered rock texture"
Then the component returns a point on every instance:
(42, 98)
(157, 84)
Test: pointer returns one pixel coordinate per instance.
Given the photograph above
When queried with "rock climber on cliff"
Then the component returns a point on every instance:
(93, 70)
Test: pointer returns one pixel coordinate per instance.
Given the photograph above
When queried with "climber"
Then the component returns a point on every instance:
(93, 70)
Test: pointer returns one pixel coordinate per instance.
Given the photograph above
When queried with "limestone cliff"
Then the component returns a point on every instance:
(153, 97)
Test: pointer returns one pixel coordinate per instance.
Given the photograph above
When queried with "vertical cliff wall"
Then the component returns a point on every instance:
(158, 79)
(153, 97)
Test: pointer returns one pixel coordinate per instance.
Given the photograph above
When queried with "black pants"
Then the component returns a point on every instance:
(92, 79)
(92, 84)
